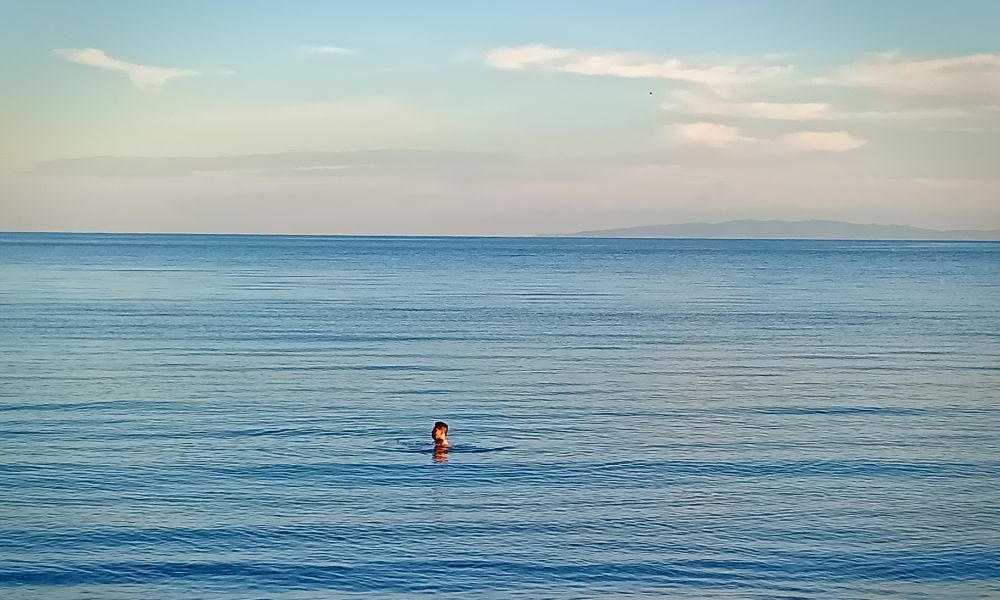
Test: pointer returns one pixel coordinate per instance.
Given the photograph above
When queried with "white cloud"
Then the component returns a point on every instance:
(940, 113)
(525, 57)
(689, 102)
(328, 167)
(931, 91)
(539, 57)
(713, 135)
(141, 76)
(825, 141)
(970, 76)
(326, 50)
(703, 102)
(719, 136)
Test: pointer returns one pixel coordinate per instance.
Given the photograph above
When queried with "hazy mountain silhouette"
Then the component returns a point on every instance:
(830, 230)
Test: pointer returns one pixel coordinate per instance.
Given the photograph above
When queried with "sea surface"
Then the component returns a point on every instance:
(187, 417)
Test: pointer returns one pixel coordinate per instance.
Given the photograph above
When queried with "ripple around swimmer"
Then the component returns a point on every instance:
(409, 447)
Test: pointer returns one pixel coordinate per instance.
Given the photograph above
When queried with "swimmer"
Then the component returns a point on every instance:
(440, 433)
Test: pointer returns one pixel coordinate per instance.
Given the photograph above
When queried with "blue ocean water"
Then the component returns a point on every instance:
(249, 417)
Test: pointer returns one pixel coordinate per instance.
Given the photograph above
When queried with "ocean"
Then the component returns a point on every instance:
(205, 416)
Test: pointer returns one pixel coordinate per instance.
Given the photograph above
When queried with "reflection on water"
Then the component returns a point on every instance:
(414, 447)
(441, 452)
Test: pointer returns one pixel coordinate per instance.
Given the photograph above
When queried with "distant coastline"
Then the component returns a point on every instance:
(802, 230)
(741, 229)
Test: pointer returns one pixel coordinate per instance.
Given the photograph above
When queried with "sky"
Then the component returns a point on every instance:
(468, 117)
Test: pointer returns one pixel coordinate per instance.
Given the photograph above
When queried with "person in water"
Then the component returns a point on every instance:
(440, 435)
(441, 445)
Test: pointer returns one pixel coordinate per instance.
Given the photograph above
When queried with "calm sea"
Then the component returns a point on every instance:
(249, 417)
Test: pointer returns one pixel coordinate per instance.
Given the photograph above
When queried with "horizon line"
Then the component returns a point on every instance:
(473, 236)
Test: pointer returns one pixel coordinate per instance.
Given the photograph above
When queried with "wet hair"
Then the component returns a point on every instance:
(439, 425)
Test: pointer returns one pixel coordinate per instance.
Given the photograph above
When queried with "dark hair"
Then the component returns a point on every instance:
(439, 425)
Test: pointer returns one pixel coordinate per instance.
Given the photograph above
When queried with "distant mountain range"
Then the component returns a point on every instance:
(815, 230)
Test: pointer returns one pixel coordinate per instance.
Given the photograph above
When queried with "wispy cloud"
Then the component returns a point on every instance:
(283, 164)
(713, 135)
(932, 91)
(141, 76)
(719, 136)
(329, 167)
(704, 103)
(326, 51)
(539, 57)
(697, 103)
(973, 76)
(822, 141)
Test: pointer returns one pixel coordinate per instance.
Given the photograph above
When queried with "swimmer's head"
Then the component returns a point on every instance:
(440, 432)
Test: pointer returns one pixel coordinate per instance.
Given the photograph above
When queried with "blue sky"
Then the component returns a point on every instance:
(465, 117)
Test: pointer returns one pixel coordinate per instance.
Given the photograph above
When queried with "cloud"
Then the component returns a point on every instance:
(703, 102)
(697, 103)
(329, 167)
(379, 162)
(713, 135)
(950, 93)
(326, 50)
(690, 102)
(975, 76)
(142, 76)
(825, 141)
(539, 57)
(524, 57)
(719, 136)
